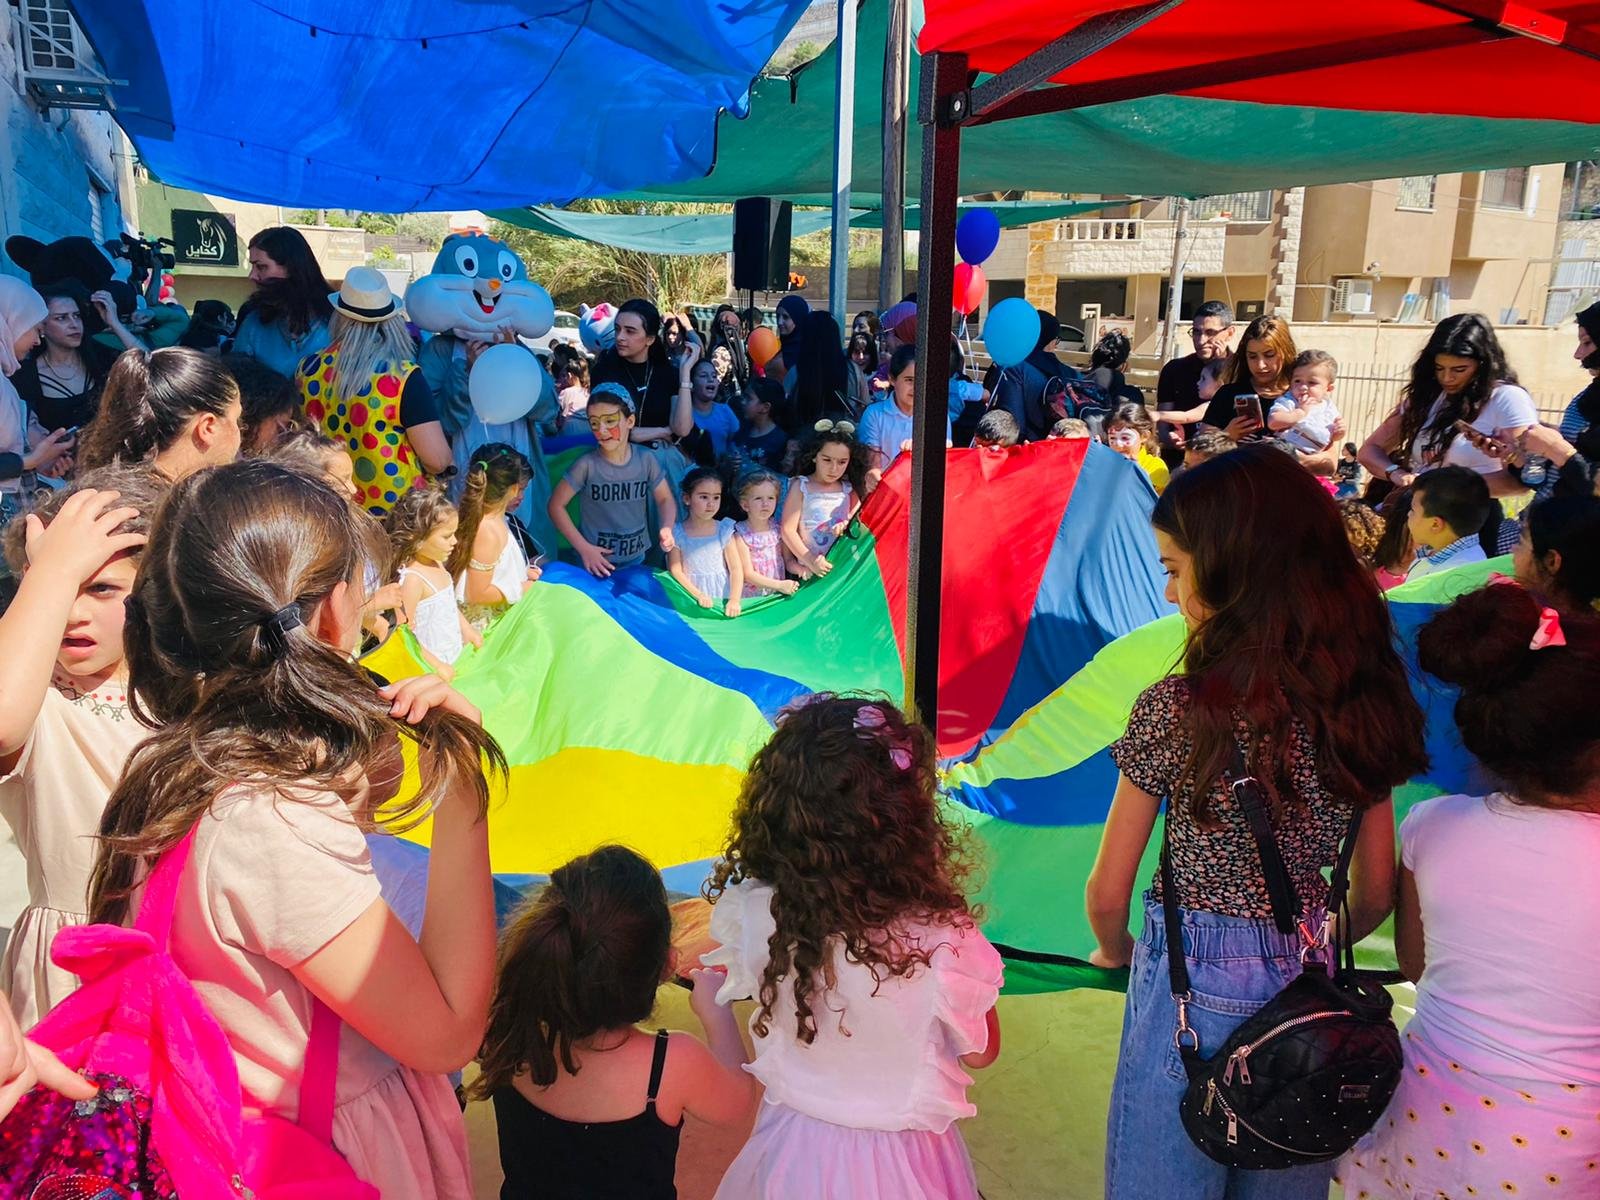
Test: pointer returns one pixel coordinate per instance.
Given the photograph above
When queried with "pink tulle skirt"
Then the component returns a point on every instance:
(791, 1155)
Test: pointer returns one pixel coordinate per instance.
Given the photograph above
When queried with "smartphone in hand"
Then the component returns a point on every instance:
(1249, 406)
(1482, 441)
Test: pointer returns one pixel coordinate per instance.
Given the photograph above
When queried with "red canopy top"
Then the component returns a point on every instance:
(1482, 58)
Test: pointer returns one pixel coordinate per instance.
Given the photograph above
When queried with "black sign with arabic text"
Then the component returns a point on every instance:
(204, 239)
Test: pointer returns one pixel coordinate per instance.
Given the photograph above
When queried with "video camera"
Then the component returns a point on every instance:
(145, 255)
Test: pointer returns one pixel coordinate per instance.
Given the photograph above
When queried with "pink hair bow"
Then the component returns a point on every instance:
(870, 719)
(1549, 631)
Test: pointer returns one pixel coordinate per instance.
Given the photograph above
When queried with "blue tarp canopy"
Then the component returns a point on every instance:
(403, 105)
(712, 233)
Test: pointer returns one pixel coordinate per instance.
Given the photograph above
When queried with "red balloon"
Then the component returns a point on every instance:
(970, 285)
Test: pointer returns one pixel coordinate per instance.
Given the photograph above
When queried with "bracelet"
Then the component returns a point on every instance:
(475, 565)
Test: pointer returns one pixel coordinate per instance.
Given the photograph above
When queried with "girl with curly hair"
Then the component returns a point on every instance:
(422, 536)
(840, 908)
(829, 482)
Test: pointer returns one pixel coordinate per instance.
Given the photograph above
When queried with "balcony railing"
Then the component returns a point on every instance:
(1236, 206)
(1115, 230)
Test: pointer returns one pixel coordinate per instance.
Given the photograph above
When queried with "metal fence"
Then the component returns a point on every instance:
(1366, 393)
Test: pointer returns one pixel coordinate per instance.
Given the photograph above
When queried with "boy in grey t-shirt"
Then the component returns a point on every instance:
(613, 483)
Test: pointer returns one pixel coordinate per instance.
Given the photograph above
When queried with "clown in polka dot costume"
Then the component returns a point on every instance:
(368, 424)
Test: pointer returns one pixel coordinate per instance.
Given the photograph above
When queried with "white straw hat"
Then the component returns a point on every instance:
(364, 296)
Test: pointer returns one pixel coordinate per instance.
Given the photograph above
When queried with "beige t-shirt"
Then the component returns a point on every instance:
(54, 798)
(269, 883)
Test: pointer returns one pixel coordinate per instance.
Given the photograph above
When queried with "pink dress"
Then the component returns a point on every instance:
(53, 800)
(766, 556)
(271, 881)
(870, 1107)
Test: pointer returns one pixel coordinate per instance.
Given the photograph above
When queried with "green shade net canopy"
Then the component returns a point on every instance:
(712, 233)
(1164, 145)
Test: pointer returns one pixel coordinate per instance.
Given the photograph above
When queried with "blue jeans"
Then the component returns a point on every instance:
(1235, 966)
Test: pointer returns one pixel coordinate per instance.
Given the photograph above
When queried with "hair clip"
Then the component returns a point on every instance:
(277, 626)
(1548, 632)
(847, 428)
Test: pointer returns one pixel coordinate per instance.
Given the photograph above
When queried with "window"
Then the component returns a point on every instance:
(1504, 188)
(1416, 193)
(1238, 206)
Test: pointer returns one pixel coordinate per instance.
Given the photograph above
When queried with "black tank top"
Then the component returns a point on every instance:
(546, 1158)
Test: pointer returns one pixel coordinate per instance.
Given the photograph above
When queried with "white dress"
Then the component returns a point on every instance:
(436, 624)
(868, 1109)
(1501, 1091)
(510, 576)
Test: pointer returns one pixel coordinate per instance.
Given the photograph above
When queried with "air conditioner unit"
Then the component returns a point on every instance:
(1352, 297)
(58, 64)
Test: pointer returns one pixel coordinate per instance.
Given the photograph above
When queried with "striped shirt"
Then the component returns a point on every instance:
(1573, 422)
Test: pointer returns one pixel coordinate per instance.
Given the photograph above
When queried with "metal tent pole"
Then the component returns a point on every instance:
(844, 125)
(941, 109)
(896, 70)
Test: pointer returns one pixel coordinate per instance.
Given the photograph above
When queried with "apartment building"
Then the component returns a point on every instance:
(1409, 251)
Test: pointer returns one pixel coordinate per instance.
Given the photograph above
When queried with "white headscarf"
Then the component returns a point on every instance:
(21, 308)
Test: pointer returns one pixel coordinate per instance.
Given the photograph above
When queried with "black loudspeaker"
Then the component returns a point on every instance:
(761, 228)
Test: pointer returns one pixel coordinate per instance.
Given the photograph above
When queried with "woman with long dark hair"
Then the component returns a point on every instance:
(287, 316)
(1289, 667)
(62, 380)
(820, 381)
(1461, 377)
(662, 395)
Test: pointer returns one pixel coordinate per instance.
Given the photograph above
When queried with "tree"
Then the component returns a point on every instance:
(577, 272)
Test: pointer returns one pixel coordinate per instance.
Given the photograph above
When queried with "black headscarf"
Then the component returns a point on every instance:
(1588, 400)
(797, 308)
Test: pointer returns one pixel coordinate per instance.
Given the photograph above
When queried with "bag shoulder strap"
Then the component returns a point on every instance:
(319, 1078)
(160, 896)
(1247, 792)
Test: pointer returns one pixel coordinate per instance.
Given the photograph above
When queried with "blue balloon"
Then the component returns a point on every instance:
(977, 234)
(1012, 331)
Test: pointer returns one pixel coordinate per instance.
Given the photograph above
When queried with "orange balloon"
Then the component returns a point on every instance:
(763, 345)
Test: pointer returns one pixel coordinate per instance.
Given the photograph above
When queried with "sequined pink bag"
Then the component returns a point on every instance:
(169, 1122)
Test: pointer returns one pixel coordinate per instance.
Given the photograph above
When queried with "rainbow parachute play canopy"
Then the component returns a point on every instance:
(628, 713)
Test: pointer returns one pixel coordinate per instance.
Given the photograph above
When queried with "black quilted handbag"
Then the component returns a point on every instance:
(1301, 1080)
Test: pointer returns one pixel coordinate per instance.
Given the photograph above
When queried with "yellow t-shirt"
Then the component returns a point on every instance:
(1156, 469)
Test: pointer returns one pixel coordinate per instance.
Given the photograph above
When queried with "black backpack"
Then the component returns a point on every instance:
(1312, 1071)
(1068, 396)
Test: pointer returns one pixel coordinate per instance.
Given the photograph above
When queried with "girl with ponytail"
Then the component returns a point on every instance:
(589, 1106)
(175, 408)
(273, 756)
(1498, 911)
(488, 563)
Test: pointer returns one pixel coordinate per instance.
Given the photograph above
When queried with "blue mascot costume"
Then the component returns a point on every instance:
(479, 293)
